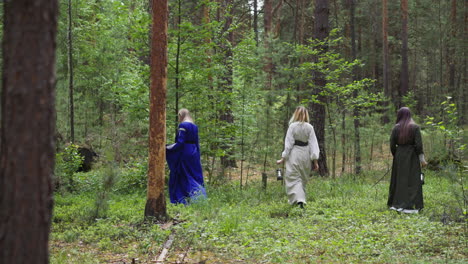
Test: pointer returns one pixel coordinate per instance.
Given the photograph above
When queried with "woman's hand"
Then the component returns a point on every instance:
(423, 163)
(280, 161)
(316, 166)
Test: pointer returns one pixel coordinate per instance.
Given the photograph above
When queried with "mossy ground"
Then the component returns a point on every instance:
(345, 221)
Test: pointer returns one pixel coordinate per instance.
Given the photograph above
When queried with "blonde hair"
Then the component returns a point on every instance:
(184, 115)
(300, 115)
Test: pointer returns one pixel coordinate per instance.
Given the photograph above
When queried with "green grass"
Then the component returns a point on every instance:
(345, 221)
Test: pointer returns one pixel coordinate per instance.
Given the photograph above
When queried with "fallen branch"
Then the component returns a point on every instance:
(166, 248)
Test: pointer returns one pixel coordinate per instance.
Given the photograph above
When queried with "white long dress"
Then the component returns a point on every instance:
(299, 159)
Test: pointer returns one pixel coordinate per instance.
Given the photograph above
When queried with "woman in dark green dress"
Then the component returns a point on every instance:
(405, 193)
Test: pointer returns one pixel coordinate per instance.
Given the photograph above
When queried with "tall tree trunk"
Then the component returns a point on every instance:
(464, 93)
(300, 6)
(27, 130)
(177, 68)
(277, 14)
(268, 22)
(386, 60)
(334, 146)
(226, 115)
(268, 68)
(255, 20)
(343, 141)
(299, 39)
(404, 77)
(414, 69)
(70, 73)
(356, 114)
(321, 32)
(451, 54)
(441, 48)
(375, 46)
(156, 201)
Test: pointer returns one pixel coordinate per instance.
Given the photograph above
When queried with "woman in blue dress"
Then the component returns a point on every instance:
(183, 157)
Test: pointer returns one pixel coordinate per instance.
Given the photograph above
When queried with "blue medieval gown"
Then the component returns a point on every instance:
(183, 157)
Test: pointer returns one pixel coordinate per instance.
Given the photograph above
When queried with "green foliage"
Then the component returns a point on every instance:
(448, 124)
(342, 80)
(88, 181)
(101, 205)
(448, 156)
(133, 177)
(67, 163)
(409, 100)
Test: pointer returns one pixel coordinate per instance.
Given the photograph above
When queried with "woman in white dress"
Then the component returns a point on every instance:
(300, 149)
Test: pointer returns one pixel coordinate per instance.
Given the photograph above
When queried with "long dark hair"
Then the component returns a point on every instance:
(405, 122)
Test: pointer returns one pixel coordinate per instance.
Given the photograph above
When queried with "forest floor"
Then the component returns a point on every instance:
(346, 220)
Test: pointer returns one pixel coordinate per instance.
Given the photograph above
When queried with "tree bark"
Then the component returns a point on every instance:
(156, 201)
(70, 73)
(268, 22)
(226, 115)
(321, 32)
(386, 60)
(255, 20)
(451, 53)
(404, 77)
(464, 72)
(268, 68)
(356, 112)
(277, 14)
(27, 130)
(177, 66)
(343, 142)
(299, 21)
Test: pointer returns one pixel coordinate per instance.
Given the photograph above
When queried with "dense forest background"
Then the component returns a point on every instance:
(241, 67)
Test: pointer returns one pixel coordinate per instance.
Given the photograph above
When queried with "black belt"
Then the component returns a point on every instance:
(190, 142)
(300, 143)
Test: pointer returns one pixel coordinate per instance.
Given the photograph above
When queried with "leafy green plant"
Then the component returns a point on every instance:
(105, 244)
(71, 235)
(448, 124)
(67, 163)
(132, 177)
(108, 180)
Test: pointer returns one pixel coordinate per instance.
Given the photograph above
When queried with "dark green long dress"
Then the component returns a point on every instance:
(405, 185)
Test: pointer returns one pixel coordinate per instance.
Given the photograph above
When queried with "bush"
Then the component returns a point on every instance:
(67, 163)
(133, 177)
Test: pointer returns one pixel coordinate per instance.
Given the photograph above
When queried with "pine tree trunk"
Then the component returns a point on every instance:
(321, 32)
(404, 77)
(156, 201)
(357, 137)
(177, 68)
(277, 14)
(255, 20)
(386, 61)
(268, 22)
(27, 130)
(375, 47)
(268, 68)
(464, 93)
(70, 73)
(343, 142)
(226, 115)
(451, 54)
(300, 39)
